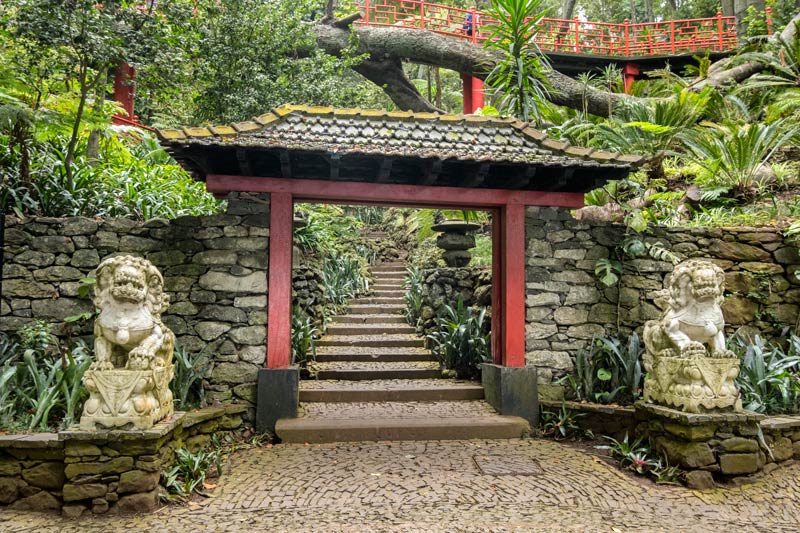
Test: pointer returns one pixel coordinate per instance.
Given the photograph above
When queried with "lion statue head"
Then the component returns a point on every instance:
(133, 280)
(696, 280)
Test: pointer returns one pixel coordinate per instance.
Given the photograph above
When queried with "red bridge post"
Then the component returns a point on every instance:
(629, 73)
(125, 90)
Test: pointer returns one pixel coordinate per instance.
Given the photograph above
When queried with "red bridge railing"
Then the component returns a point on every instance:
(716, 34)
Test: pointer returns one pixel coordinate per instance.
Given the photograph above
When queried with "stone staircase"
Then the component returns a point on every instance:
(376, 381)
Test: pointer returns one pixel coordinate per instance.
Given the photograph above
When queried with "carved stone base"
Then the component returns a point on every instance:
(695, 384)
(127, 398)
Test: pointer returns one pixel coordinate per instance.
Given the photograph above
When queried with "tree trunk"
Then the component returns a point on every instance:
(388, 46)
(567, 9)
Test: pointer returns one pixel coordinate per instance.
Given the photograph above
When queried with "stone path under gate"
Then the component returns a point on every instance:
(497, 485)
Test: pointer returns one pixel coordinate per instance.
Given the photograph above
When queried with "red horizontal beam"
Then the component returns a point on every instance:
(388, 194)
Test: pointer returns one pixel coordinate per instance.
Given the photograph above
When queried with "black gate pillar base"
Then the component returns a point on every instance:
(278, 396)
(512, 391)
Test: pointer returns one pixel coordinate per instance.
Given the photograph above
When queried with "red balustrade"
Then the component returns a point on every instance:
(626, 40)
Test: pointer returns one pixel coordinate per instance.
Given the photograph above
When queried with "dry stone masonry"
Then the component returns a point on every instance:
(446, 285)
(566, 305)
(215, 274)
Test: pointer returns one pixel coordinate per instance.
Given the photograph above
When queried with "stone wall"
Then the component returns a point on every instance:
(566, 305)
(113, 471)
(214, 267)
(445, 285)
(719, 447)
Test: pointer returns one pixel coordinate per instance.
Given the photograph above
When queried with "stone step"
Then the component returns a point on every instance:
(369, 370)
(369, 319)
(369, 329)
(390, 267)
(372, 309)
(398, 421)
(423, 390)
(391, 339)
(389, 286)
(389, 293)
(374, 354)
(381, 277)
(382, 300)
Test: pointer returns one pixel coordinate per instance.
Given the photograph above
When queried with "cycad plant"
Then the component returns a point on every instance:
(732, 155)
(518, 79)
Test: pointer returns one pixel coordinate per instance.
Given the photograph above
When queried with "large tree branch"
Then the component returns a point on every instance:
(386, 47)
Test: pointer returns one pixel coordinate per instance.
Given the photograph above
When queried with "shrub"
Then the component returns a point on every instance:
(413, 295)
(768, 377)
(187, 384)
(609, 371)
(303, 332)
(461, 342)
(190, 471)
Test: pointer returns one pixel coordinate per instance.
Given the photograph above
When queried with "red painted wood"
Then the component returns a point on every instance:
(512, 306)
(656, 39)
(477, 94)
(411, 195)
(466, 86)
(629, 73)
(279, 305)
(498, 287)
(124, 89)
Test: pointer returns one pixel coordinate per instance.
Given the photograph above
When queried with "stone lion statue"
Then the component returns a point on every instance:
(129, 380)
(687, 363)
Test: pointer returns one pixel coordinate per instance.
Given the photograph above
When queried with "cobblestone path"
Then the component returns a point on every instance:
(508, 485)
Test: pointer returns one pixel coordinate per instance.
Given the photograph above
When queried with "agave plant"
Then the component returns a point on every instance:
(413, 295)
(303, 333)
(187, 385)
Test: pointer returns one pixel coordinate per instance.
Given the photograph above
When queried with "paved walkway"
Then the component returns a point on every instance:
(517, 485)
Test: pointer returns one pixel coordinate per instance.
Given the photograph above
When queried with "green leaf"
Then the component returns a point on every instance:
(603, 374)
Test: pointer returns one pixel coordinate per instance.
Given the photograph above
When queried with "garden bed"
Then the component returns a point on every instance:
(613, 420)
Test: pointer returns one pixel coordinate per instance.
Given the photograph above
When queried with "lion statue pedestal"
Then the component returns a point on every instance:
(128, 383)
(688, 366)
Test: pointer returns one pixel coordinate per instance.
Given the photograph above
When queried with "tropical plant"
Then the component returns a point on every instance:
(733, 155)
(609, 371)
(769, 379)
(562, 424)
(187, 384)
(632, 455)
(344, 277)
(460, 342)
(413, 285)
(189, 473)
(303, 333)
(518, 79)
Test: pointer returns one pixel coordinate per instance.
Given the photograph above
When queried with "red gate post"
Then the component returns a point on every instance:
(509, 242)
(279, 307)
(629, 73)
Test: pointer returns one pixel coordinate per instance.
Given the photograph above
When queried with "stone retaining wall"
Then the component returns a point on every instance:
(566, 305)
(445, 285)
(214, 267)
(724, 447)
(77, 471)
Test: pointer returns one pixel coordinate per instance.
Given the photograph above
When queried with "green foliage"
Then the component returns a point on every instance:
(187, 384)
(632, 456)
(610, 371)
(517, 80)
(732, 155)
(190, 471)
(562, 424)
(769, 376)
(344, 277)
(413, 284)
(303, 333)
(460, 342)
(482, 252)
(40, 380)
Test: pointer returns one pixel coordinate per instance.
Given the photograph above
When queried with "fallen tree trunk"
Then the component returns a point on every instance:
(387, 47)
